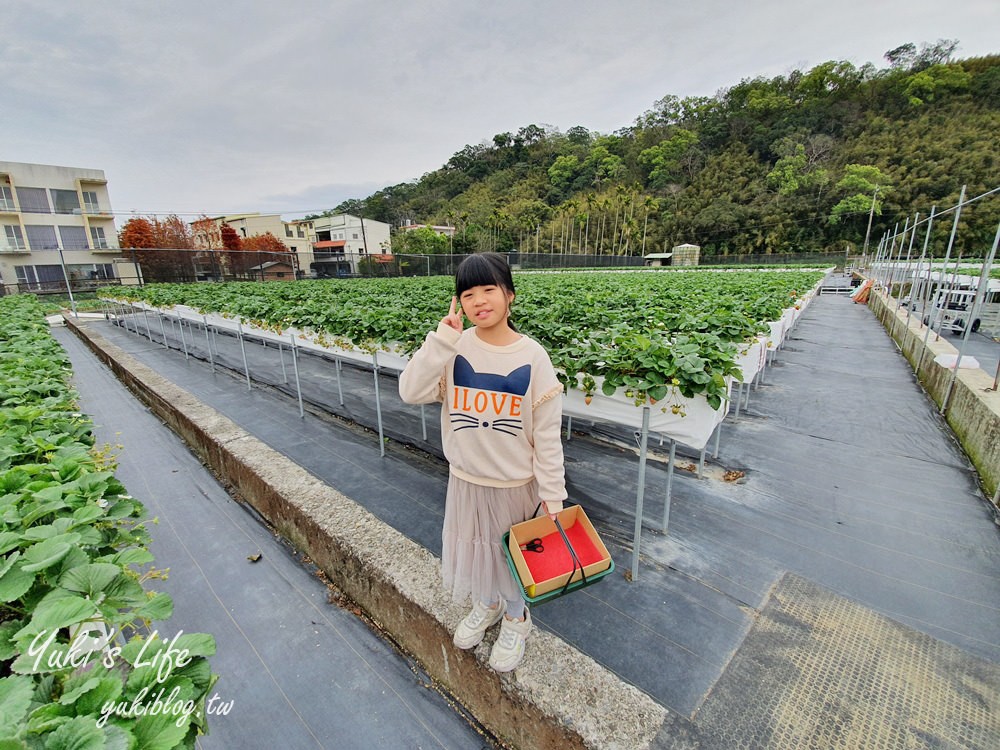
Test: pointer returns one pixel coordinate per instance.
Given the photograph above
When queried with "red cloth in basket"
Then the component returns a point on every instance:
(556, 560)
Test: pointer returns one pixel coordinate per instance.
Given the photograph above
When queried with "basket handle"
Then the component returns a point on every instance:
(572, 552)
(576, 560)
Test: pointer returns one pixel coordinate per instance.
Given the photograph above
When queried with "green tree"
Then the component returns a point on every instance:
(563, 171)
(419, 241)
(926, 84)
(860, 183)
(663, 161)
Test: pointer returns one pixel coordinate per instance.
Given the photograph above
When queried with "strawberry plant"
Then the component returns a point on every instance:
(75, 669)
(646, 332)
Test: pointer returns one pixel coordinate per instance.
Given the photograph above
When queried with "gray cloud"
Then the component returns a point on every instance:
(197, 107)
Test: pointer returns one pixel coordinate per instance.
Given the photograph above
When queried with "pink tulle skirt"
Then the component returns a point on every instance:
(473, 563)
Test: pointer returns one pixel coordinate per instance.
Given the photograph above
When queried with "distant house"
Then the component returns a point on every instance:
(445, 231)
(343, 241)
(273, 270)
(657, 259)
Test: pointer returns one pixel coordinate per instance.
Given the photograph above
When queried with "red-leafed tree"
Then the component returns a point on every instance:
(137, 232)
(161, 247)
(264, 243)
(237, 261)
(230, 239)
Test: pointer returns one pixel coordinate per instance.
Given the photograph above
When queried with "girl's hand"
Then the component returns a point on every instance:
(454, 317)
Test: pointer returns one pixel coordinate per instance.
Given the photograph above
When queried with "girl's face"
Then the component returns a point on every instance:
(486, 306)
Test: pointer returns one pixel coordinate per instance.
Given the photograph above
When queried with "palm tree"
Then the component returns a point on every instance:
(571, 207)
(604, 205)
(649, 203)
(591, 201)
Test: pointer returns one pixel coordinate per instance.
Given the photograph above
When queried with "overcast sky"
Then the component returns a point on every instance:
(292, 106)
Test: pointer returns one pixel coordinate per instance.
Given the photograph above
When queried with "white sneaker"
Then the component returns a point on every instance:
(509, 649)
(471, 630)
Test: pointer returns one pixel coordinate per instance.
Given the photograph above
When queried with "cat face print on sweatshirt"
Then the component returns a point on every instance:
(482, 400)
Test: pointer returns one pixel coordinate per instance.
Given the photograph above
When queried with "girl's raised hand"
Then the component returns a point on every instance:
(454, 317)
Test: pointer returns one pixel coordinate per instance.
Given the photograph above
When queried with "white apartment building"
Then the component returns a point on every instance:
(51, 216)
(344, 241)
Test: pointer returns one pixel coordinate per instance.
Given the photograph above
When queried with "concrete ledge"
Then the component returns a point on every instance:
(973, 408)
(558, 697)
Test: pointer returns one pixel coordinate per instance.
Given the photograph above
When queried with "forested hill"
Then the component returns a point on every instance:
(788, 164)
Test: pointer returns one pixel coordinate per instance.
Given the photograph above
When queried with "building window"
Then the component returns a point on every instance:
(6, 199)
(74, 238)
(25, 274)
(15, 239)
(300, 233)
(98, 239)
(355, 235)
(42, 238)
(33, 200)
(65, 201)
(288, 231)
(90, 203)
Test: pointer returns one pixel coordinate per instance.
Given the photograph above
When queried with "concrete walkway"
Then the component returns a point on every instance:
(298, 670)
(855, 506)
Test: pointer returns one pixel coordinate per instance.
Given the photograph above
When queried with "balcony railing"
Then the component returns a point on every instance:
(88, 210)
(13, 249)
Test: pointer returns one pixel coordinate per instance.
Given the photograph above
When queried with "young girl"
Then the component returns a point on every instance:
(500, 427)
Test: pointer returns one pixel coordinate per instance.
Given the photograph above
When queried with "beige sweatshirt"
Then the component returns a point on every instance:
(501, 411)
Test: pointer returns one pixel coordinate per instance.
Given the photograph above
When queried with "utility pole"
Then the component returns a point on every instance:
(868, 231)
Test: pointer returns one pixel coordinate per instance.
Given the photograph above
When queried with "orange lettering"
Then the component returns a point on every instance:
(465, 400)
(515, 406)
(455, 404)
(480, 407)
(498, 408)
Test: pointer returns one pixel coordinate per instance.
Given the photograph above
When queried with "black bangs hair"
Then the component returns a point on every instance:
(483, 269)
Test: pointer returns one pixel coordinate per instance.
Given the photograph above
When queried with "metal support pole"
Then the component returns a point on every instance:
(130, 315)
(643, 444)
(670, 481)
(701, 461)
(295, 366)
(894, 263)
(281, 358)
(145, 319)
(243, 348)
(163, 331)
(180, 329)
(920, 266)
(423, 421)
(126, 314)
(69, 287)
(378, 406)
(973, 310)
(906, 264)
(934, 311)
(215, 340)
(739, 400)
(208, 343)
(340, 387)
(718, 435)
(569, 427)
